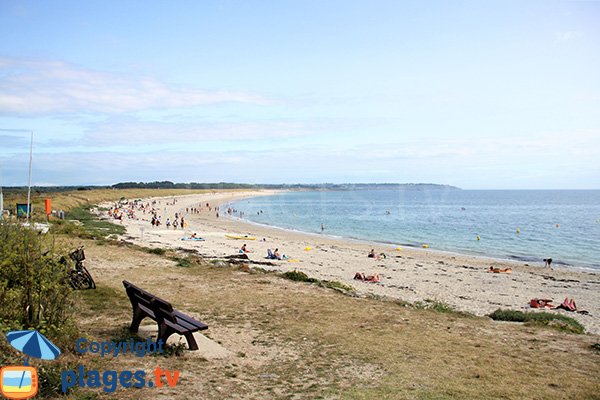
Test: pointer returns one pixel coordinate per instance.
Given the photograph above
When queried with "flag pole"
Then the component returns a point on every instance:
(29, 185)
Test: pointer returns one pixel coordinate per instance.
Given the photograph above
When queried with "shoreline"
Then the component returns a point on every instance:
(412, 274)
(490, 258)
(571, 257)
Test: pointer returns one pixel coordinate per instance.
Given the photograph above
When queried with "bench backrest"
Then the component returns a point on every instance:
(161, 309)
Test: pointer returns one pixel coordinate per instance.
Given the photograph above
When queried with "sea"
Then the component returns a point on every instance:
(524, 225)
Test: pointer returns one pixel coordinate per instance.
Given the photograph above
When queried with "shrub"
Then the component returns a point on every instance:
(34, 285)
(336, 286)
(557, 321)
(298, 276)
(157, 251)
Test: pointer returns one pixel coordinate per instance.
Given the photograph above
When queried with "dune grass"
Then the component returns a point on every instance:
(553, 320)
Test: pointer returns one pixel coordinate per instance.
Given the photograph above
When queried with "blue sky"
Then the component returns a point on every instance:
(477, 94)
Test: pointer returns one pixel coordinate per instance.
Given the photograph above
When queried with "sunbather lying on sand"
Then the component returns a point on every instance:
(568, 305)
(540, 303)
(375, 256)
(500, 270)
(367, 278)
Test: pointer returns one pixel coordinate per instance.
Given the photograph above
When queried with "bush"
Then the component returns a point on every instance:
(336, 286)
(557, 321)
(157, 251)
(34, 285)
(298, 276)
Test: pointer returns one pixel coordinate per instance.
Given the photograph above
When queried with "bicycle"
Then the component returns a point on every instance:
(79, 277)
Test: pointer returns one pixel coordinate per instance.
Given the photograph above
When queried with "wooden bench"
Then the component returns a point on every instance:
(169, 321)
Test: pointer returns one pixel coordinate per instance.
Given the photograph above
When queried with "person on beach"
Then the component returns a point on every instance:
(500, 270)
(245, 250)
(367, 278)
(278, 256)
(372, 254)
(548, 263)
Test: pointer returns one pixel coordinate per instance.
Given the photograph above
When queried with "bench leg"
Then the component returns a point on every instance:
(138, 316)
(192, 345)
(164, 332)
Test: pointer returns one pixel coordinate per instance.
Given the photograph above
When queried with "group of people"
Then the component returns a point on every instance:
(567, 304)
(177, 222)
(271, 255)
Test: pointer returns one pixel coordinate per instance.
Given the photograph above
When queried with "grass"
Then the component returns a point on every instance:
(290, 340)
(299, 276)
(157, 250)
(72, 199)
(556, 321)
(100, 299)
(88, 225)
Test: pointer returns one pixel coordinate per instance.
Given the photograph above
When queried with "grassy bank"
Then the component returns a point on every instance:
(294, 339)
(72, 199)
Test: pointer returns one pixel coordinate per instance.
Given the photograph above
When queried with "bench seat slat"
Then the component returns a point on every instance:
(189, 320)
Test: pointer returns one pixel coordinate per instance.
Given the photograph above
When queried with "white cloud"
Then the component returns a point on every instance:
(131, 131)
(40, 87)
(562, 37)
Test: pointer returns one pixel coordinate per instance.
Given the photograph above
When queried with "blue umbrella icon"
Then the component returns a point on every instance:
(33, 344)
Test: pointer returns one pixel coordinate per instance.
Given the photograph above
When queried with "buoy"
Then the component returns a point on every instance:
(425, 246)
(478, 238)
(307, 248)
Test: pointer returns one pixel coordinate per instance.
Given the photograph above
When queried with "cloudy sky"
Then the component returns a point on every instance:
(477, 94)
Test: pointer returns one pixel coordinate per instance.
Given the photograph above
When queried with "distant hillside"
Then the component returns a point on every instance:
(320, 186)
(230, 185)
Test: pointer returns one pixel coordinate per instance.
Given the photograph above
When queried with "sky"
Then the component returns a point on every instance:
(476, 94)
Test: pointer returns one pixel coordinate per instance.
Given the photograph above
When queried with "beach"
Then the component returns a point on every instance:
(406, 274)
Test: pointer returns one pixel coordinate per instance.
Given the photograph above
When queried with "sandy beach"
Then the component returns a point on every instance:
(408, 274)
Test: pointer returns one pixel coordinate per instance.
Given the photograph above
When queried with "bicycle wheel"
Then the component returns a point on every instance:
(87, 279)
(77, 280)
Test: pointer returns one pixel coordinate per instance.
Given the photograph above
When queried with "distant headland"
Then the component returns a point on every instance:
(231, 185)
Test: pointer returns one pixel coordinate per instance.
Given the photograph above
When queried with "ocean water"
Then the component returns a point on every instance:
(527, 225)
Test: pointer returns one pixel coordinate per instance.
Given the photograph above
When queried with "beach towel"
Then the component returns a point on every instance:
(191, 238)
